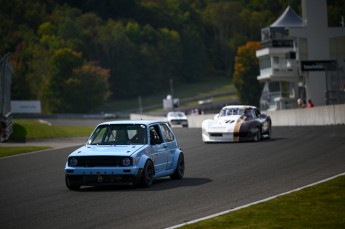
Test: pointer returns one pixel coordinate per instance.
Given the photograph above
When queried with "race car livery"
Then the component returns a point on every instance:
(177, 118)
(125, 152)
(237, 123)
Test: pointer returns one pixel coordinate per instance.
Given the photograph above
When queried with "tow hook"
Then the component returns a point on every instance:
(99, 178)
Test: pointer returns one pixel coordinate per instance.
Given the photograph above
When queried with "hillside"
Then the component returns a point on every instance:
(218, 92)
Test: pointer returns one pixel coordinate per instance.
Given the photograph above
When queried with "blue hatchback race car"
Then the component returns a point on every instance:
(126, 152)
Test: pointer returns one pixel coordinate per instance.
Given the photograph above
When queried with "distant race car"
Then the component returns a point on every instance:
(177, 118)
(125, 152)
(237, 123)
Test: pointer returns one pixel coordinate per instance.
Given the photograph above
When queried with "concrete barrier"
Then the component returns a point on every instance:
(147, 117)
(316, 116)
(196, 120)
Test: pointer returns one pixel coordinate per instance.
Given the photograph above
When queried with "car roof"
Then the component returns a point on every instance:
(143, 122)
(239, 106)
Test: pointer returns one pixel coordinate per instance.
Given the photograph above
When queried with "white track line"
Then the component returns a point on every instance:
(256, 202)
(35, 152)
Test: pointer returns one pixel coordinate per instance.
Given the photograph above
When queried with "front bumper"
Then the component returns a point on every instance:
(228, 137)
(103, 176)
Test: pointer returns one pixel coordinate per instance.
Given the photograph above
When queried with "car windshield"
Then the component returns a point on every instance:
(119, 134)
(231, 111)
(177, 114)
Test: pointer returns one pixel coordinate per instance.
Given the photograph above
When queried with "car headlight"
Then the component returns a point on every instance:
(126, 161)
(73, 161)
(136, 160)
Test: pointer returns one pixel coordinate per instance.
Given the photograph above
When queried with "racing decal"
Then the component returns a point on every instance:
(237, 128)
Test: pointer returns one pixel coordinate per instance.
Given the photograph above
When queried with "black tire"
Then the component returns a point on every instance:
(147, 176)
(258, 135)
(70, 185)
(269, 134)
(179, 171)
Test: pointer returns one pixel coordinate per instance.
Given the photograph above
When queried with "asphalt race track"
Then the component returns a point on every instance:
(218, 177)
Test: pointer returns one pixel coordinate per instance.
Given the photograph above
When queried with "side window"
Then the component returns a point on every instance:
(155, 137)
(257, 112)
(248, 113)
(253, 114)
(167, 134)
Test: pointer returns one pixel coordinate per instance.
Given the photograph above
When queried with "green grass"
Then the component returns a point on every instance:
(320, 206)
(26, 129)
(10, 150)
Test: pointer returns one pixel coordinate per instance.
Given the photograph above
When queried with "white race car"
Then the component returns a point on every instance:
(177, 118)
(237, 123)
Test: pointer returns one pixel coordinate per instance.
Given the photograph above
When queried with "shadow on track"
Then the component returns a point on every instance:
(158, 185)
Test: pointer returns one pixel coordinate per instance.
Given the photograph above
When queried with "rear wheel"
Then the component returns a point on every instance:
(269, 134)
(179, 171)
(147, 177)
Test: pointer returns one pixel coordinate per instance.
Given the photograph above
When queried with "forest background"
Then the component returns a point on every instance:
(76, 55)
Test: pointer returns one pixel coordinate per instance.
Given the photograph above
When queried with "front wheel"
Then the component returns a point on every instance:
(269, 134)
(71, 185)
(179, 171)
(258, 135)
(147, 177)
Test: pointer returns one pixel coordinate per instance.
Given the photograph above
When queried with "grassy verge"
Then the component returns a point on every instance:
(10, 151)
(32, 129)
(320, 206)
(26, 129)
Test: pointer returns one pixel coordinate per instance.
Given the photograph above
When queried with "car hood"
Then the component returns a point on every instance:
(177, 118)
(225, 124)
(113, 150)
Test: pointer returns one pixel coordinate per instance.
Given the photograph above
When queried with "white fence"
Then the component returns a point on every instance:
(316, 116)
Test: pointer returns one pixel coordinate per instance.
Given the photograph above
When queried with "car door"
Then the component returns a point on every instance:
(170, 141)
(159, 148)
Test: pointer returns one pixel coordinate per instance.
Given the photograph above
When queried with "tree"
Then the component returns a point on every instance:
(87, 89)
(246, 71)
(194, 56)
(64, 61)
(143, 43)
(336, 13)
(120, 56)
(223, 22)
(169, 49)
(75, 87)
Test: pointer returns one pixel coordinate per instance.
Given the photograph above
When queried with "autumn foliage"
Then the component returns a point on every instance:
(246, 72)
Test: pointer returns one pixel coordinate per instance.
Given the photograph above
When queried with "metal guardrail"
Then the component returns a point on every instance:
(6, 126)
